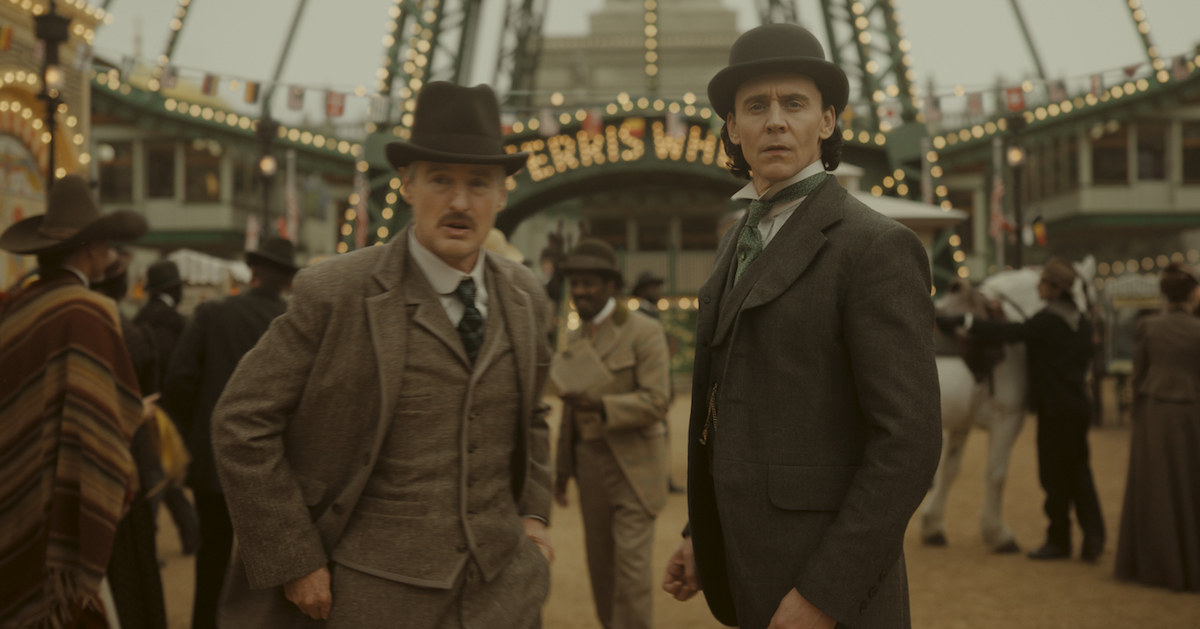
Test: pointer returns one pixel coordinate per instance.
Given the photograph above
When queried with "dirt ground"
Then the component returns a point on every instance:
(962, 586)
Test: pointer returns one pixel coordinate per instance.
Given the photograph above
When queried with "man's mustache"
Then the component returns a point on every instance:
(457, 217)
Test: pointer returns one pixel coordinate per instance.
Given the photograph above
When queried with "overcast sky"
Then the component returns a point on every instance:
(956, 42)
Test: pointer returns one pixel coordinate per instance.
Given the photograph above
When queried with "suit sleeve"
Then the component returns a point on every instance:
(277, 538)
(536, 496)
(647, 404)
(181, 384)
(887, 318)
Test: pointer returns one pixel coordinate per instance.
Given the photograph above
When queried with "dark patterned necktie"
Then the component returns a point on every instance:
(470, 328)
(750, 243)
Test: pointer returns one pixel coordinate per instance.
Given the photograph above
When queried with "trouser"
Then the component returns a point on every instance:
(212, 558)
(619, 535)
(512, 600)
(1066, 477)
(133, 571)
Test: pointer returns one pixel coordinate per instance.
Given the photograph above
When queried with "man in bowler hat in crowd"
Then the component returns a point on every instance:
(217, 337)
(815, 426)
(613, 440)
(384, 448)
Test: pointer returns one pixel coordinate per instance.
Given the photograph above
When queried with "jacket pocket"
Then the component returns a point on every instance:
(809, 487)
(622, 358)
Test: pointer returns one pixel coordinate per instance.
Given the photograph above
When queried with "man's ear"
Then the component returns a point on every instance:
(828, 123)
(731, 125)
(406, 175)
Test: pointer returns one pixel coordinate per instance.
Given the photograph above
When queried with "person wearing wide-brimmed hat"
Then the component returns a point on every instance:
(65, 373)
(383, 449)
(612, 439)
(648, 290)
(218, 335)
(815, 422)
(1058, 344)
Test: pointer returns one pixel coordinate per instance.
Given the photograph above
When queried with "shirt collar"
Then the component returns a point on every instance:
(749, 193)
(83, 278)
(166, 299)
(443, 277)
(605, 312)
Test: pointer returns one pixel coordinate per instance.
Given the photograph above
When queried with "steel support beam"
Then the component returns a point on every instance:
(778, 12)
(520, 50)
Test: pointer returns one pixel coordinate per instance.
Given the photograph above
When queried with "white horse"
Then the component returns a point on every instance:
(996, 405)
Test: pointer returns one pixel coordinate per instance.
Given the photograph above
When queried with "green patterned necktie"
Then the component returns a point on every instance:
(750, 243)
(470, 328)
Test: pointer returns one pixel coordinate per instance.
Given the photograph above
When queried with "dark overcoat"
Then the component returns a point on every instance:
(216, 338)
(163, 326)
(815, 427)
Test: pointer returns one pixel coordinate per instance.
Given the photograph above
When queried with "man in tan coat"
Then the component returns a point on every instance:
(383, 449)
(613, 438)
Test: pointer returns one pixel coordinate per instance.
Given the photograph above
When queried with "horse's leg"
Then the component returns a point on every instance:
(933, 513)
(1005, 414)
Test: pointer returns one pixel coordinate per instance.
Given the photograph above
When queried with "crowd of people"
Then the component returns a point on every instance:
(375, 450)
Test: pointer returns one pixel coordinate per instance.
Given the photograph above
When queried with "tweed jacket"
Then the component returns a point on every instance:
(299, 428)
(815, 428)
(634, 348)
(216, 338)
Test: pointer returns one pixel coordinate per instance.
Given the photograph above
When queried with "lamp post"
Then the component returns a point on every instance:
(1015, 156)
(51, 30)
(267, 165)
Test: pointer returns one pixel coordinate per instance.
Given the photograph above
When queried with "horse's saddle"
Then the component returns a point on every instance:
(981, 357)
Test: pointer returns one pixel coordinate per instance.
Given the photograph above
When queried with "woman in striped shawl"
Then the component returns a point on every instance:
(69, 404)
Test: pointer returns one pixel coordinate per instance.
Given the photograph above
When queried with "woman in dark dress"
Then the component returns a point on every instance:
(1160, 523)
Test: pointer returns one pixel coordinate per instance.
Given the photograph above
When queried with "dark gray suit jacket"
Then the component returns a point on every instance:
(825, 427)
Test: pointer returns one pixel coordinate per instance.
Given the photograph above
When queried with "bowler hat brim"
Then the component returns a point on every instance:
(402, 154)
(830, 79)
(265, 257)
(120, 226)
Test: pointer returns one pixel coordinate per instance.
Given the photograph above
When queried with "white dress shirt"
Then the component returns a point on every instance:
(778, 215)
(445, 280)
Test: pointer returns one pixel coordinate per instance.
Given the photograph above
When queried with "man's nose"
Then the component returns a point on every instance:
(775, 118)
(458, 200)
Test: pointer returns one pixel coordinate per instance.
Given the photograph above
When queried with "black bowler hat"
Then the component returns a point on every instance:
(453, 124)
(593, 255)
(646, 279)
(162, 276)
(776, 49)
(72, 219)
(277, 252)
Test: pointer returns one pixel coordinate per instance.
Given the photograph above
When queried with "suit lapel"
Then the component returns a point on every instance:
(786, 258)
(713, 290)
(388, 322)
(429, 312)
(520, 324)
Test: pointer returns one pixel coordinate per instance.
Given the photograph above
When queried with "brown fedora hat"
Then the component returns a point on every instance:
(453, 124)
(777, 49)
(593, 255)
(72, 219)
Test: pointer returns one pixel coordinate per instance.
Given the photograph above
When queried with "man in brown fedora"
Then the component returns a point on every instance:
(815, 426)
(216, 338)
(1058, 342)
(71, 403)
(613, 437)
(383, 449)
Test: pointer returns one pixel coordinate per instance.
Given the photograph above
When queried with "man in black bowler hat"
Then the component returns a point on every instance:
(384, 449)
(218, 336)
(815, 426)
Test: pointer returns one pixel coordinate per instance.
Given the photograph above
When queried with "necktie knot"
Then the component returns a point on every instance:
(750, 242)
(466, 292)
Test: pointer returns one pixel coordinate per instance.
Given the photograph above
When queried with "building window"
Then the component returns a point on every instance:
(160, 170)
(1152, 151)
(699, 233)
(116, 172)
(611, 231)
(654, 233)
(1110, 155)
(203, 172)
(1191, 152)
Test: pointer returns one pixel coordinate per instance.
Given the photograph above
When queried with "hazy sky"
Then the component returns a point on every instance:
(967, 42)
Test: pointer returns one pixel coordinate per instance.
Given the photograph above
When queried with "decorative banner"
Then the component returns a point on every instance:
(335, 104)
(1014, 99)
(1039, 231)
(83, 55)
(548, 123)
(1132, 70)
(1097, 85)
(507, 120)
(676, 126)
(379, 107)
(295, 98)
(128, 66)
(593, 124)
(6, 38)
(252, 232)
(933, 109)
(635, 126)
(281, 226)
(252, 90)
(1058, 92)
(210, 84)
(169, 77)
(975, 104)
(1179, 68)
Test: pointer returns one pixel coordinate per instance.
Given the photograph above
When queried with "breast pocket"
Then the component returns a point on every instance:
(810, 487)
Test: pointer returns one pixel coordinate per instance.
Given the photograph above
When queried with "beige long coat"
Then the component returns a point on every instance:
(634, 349)
(300, 425)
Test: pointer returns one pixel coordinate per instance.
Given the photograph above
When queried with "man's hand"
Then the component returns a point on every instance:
(148, 406)
(582, 402)
(535, 530)
(680, 580)
(311, 593)
(795, 612)
(560, 489)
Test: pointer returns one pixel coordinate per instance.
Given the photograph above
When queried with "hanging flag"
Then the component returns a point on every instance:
(211, 82)
(83, 56)
(169, 77)
(676, 128)
(1039, 231)
(252, 232)
(295, 98)
(1179, 68)
(361, 220)
(380, 105)
(252, 90)
(128, 66)
(1132, 70)
(335, 104)
(975, 104)
(1058, 92)
(593, 124)
(507, 120)
(1014, 99)
(933, 109)
(548, 123)
(1097, 85)
(636, 126)
(281, 226)
(6, 37)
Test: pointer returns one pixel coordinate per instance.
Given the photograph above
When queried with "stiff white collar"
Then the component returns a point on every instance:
(749, 193)
(605, 312)
(83, 278)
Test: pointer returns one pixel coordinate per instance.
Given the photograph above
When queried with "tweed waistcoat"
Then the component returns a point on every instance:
(441, 490)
